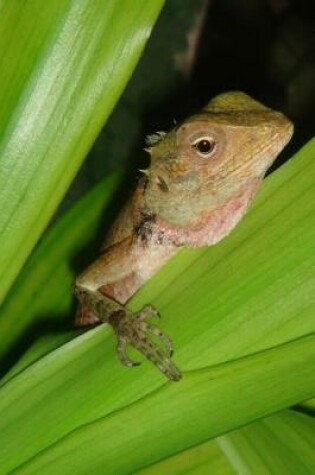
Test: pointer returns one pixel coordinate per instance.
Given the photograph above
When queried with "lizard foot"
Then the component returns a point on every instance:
(133, 329)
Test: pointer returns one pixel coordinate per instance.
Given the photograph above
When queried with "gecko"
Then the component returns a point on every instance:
(203, 175)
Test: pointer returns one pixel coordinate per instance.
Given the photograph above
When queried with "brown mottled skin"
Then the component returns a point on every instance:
(203, 176)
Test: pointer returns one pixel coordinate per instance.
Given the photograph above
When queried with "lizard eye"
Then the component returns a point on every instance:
(204, 146)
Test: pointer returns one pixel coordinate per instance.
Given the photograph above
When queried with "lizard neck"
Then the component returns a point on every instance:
(212, 225)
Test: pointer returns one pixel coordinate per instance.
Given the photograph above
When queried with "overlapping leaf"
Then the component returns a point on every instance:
(232, 312)
(63, 66)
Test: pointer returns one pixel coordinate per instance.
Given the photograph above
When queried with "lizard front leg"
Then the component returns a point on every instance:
(103, 289)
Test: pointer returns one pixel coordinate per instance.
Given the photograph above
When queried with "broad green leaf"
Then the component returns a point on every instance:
(282, 443)
(64, 64)
(43, 291)
(206, 403)
(204, 459)
(242, 310)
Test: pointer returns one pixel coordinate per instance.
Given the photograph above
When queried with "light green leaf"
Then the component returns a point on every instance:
(213, 400)
(64, 64)
(203, 459)
(242, 310)
(282, 443)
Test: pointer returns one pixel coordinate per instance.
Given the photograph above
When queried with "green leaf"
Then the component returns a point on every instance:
(242, 310)
(309, 406)
(43, 290)
(63, 66)
(282, 443)
(199, 460)
(155, 426)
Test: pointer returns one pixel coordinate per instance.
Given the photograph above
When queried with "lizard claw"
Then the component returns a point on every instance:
(124, 358)
(147, 311)
(133, 330)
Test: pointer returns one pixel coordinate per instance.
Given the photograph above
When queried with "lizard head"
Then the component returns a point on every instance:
(214, 155)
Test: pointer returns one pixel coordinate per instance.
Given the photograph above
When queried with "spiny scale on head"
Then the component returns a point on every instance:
(153, 139)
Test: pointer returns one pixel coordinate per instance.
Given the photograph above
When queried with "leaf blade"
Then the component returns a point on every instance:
(262, 378)
(91, 357)
(79, 58)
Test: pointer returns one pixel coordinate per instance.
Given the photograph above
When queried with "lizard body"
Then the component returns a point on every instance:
(203, 176)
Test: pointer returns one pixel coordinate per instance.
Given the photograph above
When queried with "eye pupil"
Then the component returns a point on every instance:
(204, 146)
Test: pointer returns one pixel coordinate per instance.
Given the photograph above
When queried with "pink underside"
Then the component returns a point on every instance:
(211, 228)
(213, 225)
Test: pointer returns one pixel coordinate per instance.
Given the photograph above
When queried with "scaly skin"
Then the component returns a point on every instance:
(203, 176)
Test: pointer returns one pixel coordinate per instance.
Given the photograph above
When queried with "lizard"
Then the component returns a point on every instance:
(203, 175)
